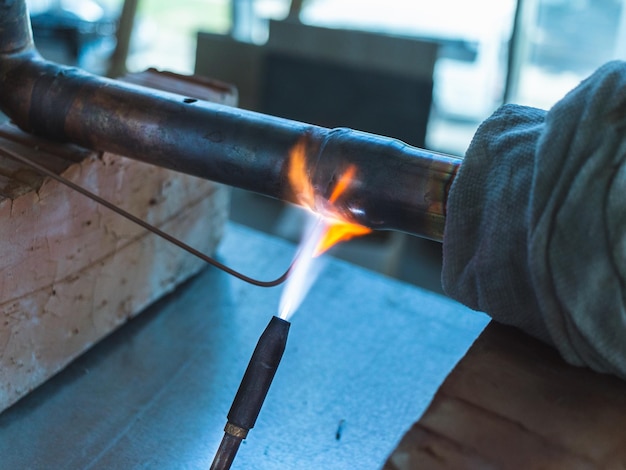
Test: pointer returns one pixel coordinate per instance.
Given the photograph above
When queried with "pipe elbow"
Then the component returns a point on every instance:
(17, 54)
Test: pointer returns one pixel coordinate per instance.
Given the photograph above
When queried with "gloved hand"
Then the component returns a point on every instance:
(535, 231)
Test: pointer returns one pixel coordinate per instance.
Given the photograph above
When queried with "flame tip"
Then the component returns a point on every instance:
(339, 228)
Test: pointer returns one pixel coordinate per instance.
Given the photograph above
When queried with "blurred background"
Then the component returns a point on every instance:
(425, 72)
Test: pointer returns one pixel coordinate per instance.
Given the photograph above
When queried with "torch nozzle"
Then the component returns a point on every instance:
(252, 391)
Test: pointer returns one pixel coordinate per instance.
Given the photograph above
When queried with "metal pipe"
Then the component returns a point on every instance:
(252, 390)
(399, 187)
(142, 223)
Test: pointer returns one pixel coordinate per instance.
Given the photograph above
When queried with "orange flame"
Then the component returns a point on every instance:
(298, 178)
(338, 228)
(339, 232)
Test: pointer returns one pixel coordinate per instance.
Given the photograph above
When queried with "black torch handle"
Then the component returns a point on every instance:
(259, 375)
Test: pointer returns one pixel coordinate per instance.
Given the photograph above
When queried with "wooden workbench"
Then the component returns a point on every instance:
(513, 403)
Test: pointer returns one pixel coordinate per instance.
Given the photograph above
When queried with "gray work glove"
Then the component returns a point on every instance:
(535, 233)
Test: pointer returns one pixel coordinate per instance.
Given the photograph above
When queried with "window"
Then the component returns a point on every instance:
(560, 42)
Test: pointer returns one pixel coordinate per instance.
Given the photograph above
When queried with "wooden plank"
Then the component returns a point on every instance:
(512, 402)
(434, 452)
(194, 86)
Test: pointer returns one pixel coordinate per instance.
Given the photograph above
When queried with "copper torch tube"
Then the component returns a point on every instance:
(399, 187)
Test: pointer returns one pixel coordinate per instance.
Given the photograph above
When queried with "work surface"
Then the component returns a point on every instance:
(364, 358)
(513, 403)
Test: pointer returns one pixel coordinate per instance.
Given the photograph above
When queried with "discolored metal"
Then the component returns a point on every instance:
(398, 187)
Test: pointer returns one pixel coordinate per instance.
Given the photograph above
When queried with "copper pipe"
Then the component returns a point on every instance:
(399, 188)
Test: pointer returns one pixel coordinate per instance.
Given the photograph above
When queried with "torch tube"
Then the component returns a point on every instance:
(400, 187)
(252, 391)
